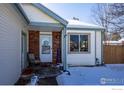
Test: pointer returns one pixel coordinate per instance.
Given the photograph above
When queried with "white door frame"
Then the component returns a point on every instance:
(23, 50)
(45, 57)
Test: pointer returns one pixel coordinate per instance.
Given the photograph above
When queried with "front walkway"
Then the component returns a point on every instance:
(102, 75)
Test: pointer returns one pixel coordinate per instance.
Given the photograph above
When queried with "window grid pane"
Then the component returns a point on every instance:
(74, 43)
(84, 43)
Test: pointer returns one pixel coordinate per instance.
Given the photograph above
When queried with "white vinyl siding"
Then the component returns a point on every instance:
(11, 25)
(98, 46)
(82, 58)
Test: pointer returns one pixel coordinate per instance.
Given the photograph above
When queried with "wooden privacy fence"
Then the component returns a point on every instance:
(113, 54)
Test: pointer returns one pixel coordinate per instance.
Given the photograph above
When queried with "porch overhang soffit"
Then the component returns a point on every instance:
(46, 26)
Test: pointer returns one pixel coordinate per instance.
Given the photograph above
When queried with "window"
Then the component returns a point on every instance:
(79, 43)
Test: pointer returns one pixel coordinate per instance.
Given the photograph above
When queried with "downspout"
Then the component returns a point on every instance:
(95, 48)
(65, 52)
(102, 38)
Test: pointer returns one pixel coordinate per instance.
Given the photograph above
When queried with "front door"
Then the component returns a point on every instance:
(46, 48)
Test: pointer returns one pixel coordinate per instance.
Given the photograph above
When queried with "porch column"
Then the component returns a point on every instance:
(64, 50)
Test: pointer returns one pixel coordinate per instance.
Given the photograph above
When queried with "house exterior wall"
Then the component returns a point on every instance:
(34, 37)
(36, 15)
(83, 58)
(11, 26)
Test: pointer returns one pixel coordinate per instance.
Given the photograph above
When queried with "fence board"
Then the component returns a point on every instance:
(113, 54)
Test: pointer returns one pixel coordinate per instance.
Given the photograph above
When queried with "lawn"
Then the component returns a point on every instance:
(101, 75)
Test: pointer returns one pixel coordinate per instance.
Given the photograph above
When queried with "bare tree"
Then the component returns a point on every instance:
(100, 15)
(110, 16)
(117, 14)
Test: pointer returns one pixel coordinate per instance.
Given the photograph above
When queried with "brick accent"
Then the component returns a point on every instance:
(56, 36)
(34, 37)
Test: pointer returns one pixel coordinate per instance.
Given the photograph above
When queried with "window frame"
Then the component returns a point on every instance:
(79, 52)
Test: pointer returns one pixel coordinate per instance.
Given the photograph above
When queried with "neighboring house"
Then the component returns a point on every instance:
(112, 43)
(119, 42)
(122, 34)
(35, 29)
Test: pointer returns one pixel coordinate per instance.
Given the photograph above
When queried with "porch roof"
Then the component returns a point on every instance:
(36, 11)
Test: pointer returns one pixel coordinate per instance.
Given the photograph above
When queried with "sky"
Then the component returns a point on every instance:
(70, 10)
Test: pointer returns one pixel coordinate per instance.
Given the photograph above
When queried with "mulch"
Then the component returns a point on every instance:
(48, 81)
(47, 71)
(43, 81)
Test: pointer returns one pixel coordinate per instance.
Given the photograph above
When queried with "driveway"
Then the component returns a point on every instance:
(100, 75)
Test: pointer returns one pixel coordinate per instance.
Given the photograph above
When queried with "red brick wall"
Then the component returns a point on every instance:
(34, 43)
(56, 36)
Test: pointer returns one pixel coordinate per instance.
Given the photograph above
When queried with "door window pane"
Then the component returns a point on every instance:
(45, 45)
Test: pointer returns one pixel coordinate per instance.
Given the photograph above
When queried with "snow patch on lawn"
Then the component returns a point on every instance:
(102, 75)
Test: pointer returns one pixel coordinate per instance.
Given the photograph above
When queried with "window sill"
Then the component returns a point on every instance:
(79, 52)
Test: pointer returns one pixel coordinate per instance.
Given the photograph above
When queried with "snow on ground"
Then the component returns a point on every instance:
(102, 75)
